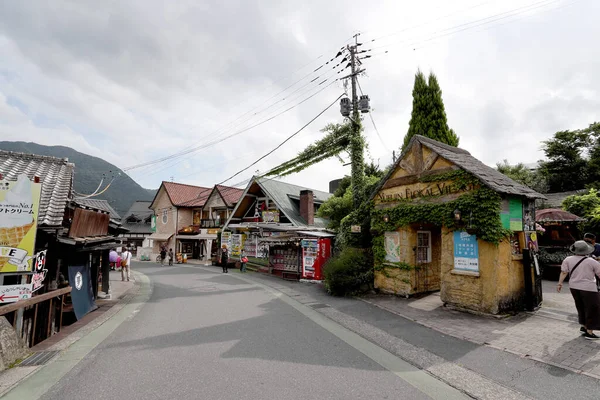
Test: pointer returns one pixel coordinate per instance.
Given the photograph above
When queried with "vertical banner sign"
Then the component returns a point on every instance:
(153, 223)
(19, 203)
(81, 293)
(466, 252)
(39, 271)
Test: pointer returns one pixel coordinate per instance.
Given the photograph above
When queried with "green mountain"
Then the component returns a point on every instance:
(89, 172)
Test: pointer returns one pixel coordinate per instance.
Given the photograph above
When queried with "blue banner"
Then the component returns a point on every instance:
(82, 293)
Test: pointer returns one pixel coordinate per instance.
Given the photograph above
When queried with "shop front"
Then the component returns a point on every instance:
(444, 221)
(196, 243)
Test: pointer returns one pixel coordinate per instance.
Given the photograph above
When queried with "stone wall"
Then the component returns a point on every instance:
(12, 348)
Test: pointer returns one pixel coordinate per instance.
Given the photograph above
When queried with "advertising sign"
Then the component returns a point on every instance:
(466, 252)
(13, 293)
(19, 203)
(392, 246)
(270, 216)
(237, 244)
(39, 271)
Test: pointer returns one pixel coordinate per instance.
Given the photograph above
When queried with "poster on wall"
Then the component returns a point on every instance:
(466, 252)
(19, 203)
(531, 241)
(392, 246)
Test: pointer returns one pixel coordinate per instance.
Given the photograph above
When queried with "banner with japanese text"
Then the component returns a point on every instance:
(19, 205)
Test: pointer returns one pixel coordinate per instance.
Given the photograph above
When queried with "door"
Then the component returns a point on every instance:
(428, 260)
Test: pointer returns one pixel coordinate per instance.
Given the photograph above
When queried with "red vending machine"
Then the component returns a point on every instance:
(315, 253)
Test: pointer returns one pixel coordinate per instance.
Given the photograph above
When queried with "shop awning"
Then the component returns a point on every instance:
(196, 237)
(316, 233)
(160, 236)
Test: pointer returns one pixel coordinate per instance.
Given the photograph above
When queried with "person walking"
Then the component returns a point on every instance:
(582, 271)
(163, 255)
(243, 261)
(170, 256)
(125, 264)
(224, 259)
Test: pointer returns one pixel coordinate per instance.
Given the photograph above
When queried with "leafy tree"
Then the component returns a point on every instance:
(586, 206)
(593, 167)
(428, 116)
(582, 205)
(566, 168)
(520, 173)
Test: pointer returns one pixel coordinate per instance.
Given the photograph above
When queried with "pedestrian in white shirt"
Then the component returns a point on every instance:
(125, 264)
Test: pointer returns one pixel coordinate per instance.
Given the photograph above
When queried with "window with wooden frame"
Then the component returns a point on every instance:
(423, 247)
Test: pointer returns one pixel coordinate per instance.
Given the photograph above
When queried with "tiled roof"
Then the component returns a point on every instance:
(99, 205)
(231, 195)
(555, 200)
(200, 200)
(56, 176)
(186, 195)
(139, 209)
(489, 176)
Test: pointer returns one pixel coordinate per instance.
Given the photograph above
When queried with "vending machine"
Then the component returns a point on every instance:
(315, 253)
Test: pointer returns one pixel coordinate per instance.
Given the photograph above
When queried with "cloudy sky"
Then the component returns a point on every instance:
(137, 81)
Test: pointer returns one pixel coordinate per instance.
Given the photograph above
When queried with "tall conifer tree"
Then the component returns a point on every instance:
(428, 116)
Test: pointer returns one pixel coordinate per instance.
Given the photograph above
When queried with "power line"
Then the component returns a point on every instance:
(469, 25)
(285, 141)
(215, 142)
(372, 120)
(183, 152)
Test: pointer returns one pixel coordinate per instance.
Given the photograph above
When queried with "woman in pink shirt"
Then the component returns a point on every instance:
(582, 271)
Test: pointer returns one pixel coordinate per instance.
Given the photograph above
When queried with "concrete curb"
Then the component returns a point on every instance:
(522, 355)
(11, 379)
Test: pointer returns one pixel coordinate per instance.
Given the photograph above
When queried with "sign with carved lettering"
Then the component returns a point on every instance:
(420, 190)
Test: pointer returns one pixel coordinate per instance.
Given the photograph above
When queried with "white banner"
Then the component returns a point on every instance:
(13, 293)
(18, 257)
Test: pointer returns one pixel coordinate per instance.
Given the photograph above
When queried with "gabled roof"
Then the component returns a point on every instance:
(184, 195)
(140, 210)
(200, 200)
(489, 176)
(229, 194)
(286, 197)
(102, 205)
(56, 176)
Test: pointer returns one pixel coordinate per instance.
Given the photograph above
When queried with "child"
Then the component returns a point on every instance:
(243, 261)
(170, 256)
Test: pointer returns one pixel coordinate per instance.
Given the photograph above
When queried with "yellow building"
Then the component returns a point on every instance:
(444, 221)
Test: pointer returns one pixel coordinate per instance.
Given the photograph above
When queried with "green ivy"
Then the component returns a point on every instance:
(480, 210)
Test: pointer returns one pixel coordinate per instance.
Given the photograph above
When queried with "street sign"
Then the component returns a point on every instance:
(13, 293)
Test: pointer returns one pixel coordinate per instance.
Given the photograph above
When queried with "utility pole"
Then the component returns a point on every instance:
(356, 142)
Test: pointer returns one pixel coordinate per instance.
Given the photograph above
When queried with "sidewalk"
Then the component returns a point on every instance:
(550, 335)
(121, 292)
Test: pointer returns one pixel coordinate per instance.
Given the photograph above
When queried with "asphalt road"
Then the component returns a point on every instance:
(208, 335)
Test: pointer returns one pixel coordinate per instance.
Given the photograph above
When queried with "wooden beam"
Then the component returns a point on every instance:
(430, 160)
(418, 150)
(404, 180)
(407, 167)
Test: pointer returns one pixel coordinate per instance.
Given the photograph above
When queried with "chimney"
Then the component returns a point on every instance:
(307, 207)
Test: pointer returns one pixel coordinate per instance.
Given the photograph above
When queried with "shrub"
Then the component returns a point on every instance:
(350, 272)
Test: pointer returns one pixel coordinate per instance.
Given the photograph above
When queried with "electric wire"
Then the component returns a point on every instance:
(372, 120)
(285, 141)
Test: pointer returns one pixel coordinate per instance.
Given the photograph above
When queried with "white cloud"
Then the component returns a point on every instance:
(154, 80)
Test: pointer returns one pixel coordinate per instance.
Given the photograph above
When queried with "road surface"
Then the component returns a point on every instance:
(207, 335)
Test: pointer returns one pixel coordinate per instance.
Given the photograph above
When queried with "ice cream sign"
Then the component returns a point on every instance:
(19, 203)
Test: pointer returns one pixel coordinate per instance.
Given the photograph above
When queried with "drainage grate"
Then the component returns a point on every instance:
(319, 305)
(39, 358)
